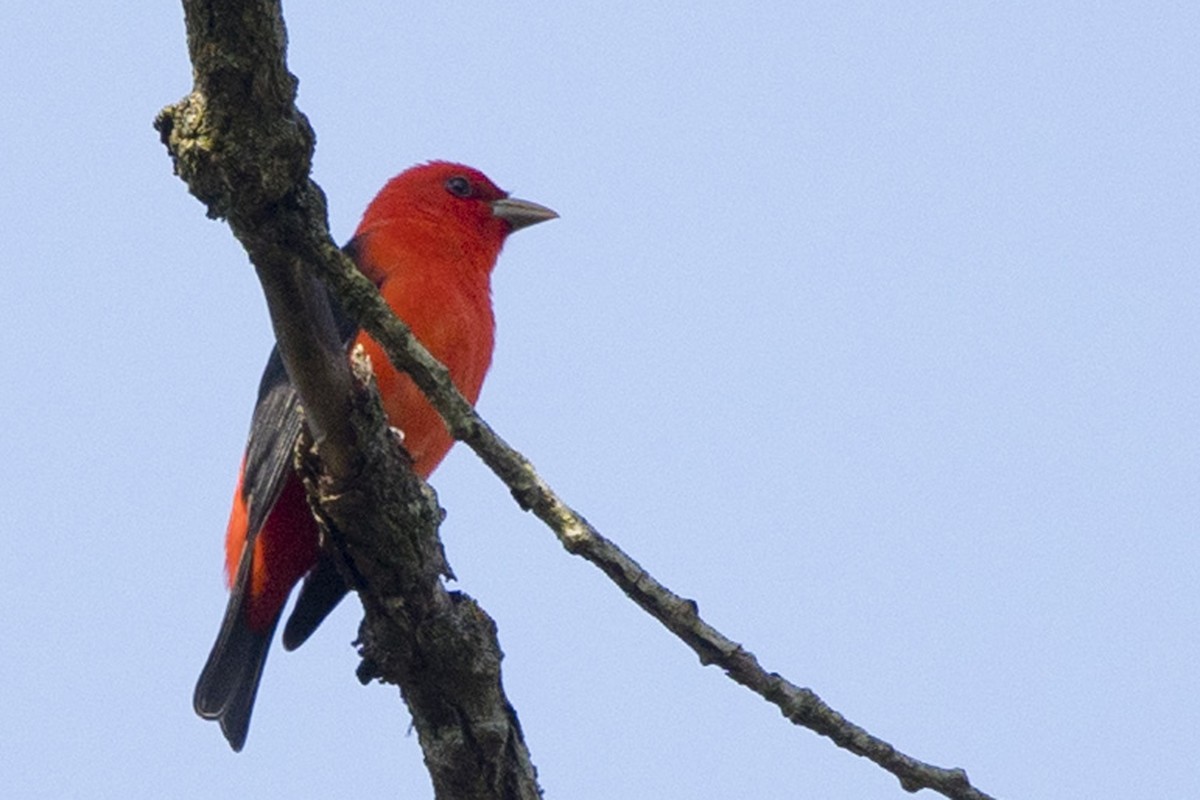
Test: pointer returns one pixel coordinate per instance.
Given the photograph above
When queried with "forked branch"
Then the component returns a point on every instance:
(245, 150)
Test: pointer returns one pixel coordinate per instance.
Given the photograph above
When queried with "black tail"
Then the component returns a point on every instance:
(229, 681)
(323, 589)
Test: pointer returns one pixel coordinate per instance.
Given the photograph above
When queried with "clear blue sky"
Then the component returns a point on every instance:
(873, 328)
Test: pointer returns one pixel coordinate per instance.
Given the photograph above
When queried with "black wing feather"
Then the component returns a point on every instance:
(229, 681)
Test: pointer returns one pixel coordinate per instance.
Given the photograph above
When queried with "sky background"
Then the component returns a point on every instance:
(875, 328)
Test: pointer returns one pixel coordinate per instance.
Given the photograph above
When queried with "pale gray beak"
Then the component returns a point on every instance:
(521, 213)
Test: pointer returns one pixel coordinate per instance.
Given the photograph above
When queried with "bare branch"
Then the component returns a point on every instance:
(244, 150)
(279, 215)
(679, 615)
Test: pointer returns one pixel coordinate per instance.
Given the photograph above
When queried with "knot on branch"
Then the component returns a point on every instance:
(238, 140)
(241, 169)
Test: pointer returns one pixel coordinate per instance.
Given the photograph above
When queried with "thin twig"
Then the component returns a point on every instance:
(679, 615)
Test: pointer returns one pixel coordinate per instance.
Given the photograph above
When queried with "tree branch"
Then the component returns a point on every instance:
(244, 150)
(679, 615)
(278, 214)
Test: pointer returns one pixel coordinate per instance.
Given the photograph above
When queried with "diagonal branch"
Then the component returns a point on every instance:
(279, 215)
(679, 615)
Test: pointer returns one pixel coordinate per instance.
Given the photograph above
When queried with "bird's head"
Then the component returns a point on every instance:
(451, 210)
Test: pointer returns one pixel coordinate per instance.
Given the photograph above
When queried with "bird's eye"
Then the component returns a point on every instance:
(458, 186)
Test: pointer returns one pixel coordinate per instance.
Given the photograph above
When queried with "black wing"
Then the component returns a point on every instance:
(229, 681)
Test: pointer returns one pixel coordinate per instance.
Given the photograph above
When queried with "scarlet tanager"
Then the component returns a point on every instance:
(429, 241)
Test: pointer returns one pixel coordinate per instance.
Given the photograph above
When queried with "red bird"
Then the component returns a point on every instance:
(429, 241)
